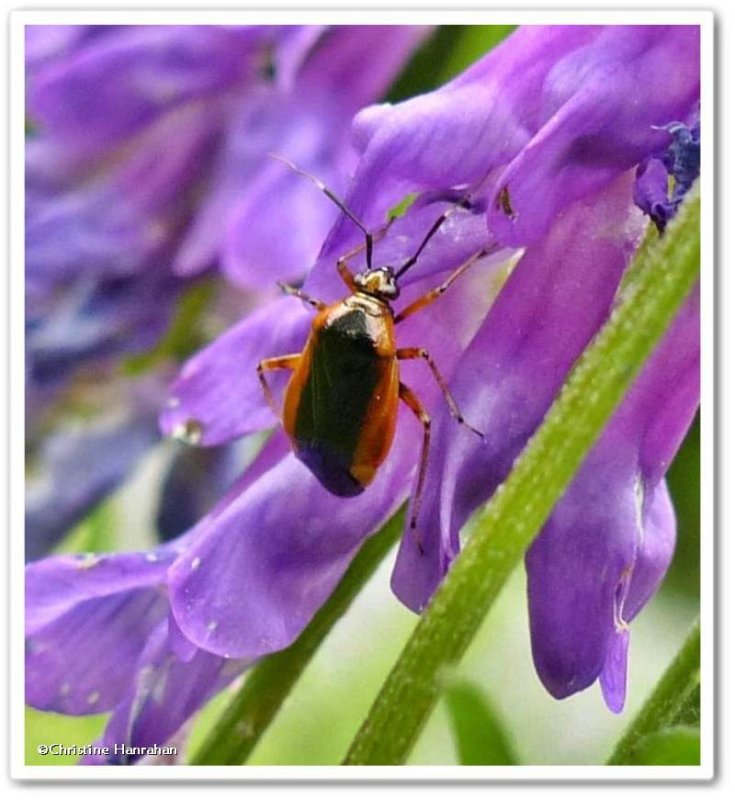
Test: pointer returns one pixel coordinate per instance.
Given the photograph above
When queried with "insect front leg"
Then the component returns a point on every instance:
(405, 353)
(294, 292)
(410, 399)
(342, 263)
(270, 364)
(432, 295)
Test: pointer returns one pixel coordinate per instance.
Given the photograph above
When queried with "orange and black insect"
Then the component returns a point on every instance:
(341, 403)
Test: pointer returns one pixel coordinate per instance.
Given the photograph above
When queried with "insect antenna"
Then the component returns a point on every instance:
(337, 201)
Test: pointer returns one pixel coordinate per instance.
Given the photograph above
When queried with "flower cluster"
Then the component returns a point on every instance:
(147, 168)
(546, 134)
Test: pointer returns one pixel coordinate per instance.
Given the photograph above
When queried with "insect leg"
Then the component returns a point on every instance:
(270, 364)
(410, 399)
(405, 353)
(294, 292)
(337, 201)
(432, 295)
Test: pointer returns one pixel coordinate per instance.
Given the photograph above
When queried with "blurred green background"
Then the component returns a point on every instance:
(321, 716)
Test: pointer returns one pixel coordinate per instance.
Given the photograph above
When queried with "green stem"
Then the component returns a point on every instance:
(247, 717)
(665, 272)
(669, 703)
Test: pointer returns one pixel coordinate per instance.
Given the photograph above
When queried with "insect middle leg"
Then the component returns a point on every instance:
(269, 365)
(432, 295)
(410, 399)
(405, 353)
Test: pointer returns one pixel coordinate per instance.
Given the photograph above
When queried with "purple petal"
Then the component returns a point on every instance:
(561, 128)
(270, 219)
(476, 122)
(46, 42)
(56, 585)
(146, 71)
(262, 567)
(80, 663)
(164, 693)
(87, 619)
(614, 675)
(651, 192)
(607, 546)
(508, 376)
(266, 241)
(604, 122)
(218, 390)
(356, 64)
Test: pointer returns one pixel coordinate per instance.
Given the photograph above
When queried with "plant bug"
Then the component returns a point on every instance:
(341, 402)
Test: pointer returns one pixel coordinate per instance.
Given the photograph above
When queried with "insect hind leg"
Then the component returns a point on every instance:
(410, 399)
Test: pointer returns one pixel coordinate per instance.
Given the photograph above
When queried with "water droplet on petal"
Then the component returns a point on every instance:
(196, 562)
(87, 560)
(93, 697)
(212, 626)
(189, 431)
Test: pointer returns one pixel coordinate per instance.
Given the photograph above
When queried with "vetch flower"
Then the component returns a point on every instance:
(554, 122)
(546, 133)
(100, 638)
(680, 161)
(146, 166)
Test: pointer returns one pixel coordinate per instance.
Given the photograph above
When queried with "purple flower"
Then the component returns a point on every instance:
(547, 132)
(680, 161)
(147, 165)
(169, 162)
(100, 638)
(551, 125)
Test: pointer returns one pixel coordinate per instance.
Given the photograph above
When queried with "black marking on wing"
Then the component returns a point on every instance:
(345, 370)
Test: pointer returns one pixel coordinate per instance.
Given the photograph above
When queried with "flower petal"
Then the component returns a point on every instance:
(146, 71)
(551, 305)
(164, 692)
(56, 585)
(597, 131)
(614, 528)
(218, 391)
(80, 663)
(475, 123)
(614, 675)
(264, 564)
